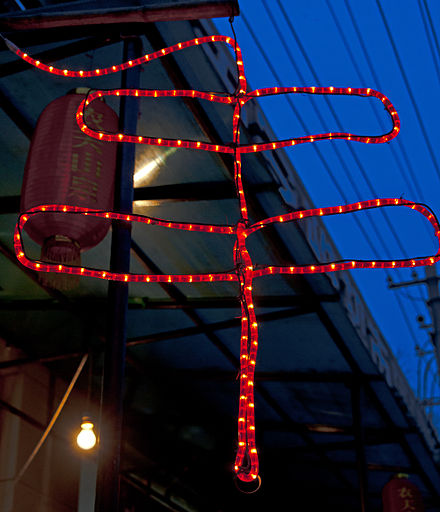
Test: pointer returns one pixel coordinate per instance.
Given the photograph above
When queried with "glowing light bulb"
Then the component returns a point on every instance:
(86, 439)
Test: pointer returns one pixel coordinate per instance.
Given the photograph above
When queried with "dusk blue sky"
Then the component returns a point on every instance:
(391, 46)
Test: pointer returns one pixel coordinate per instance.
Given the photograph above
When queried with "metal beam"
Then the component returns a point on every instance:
(380, 433)
(177, 295)
(22, 415)
(181, 192)
(62, 51)
(260, 301)
(143, 303)
(165, 500)
(197, 191)
(356, 410)
(349, 445)
(55, 294)
(30, 420)
(388, 468)
(107, 493)
(209, 329)
(160, 336)
(302, 457)
(282, 376)
(26, 126)
(86, 16)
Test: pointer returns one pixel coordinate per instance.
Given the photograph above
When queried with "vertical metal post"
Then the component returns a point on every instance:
(432, 280)
(361, 464)
(107, 499)
(87, 483)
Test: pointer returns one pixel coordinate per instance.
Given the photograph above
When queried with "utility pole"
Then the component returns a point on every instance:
(431, 281)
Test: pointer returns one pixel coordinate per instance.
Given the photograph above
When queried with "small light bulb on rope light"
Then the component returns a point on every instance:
(86, 439)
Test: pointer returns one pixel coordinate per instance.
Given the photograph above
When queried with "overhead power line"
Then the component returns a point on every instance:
(335, 116)
(409, 89)
(410, 179)
(424, 11)
(304, 126)
(378, 83)
(316, 78)
(328, 170)
(361, 168)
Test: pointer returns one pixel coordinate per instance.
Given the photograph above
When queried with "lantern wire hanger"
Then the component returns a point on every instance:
(245, 271)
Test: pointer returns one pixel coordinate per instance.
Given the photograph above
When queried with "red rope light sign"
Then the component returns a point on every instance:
(244, 271)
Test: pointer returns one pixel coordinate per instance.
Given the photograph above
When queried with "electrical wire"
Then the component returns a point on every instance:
(52, 421)
(412, 183)
(272, 69)
(377, 82)
(304, 53)
(304, 126)
(406, 81)
(424, 7)
(409, 90)
(411, 178)
(336, 117)
(318, 151)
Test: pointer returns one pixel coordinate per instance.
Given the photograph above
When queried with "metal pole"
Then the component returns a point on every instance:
(432, 280)
(356, 409)
(107, 499)
(87, 483)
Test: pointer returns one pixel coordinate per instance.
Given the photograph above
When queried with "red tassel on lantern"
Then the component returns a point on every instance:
(401, 495)
(65, 166)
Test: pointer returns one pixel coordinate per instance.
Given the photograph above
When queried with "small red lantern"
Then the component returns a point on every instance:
(401, 495)
(65, 166)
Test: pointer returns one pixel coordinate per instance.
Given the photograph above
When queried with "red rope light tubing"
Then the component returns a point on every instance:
(41, 266)
(240, 231)
(130, 63)
(246, 463)
(242, 99)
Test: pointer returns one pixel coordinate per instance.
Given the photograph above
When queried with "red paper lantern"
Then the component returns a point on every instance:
(401, 495)
(65, 166)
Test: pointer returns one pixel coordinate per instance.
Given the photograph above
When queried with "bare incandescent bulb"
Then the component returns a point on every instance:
(86, 439)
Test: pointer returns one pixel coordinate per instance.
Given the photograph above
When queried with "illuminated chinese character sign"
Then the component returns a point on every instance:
(245, 270)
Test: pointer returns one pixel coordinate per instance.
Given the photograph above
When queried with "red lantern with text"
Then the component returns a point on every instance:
(401, 495)
(65, 166)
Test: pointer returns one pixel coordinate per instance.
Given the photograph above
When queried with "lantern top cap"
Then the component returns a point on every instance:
(80, 90)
